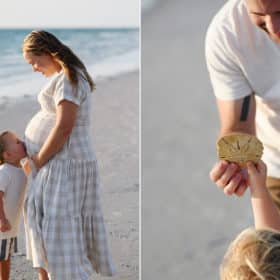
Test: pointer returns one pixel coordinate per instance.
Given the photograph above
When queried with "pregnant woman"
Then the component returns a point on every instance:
(65, 231)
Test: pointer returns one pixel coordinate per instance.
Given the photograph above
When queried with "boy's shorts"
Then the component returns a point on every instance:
(7, 248)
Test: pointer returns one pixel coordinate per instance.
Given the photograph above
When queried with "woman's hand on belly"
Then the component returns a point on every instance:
(36, 161)
(65, 121)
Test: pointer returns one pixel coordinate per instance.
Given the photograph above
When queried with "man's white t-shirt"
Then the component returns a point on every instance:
(241, 59)
(13, 184)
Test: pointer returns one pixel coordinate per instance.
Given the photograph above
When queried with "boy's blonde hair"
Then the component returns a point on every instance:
(253, 255)
(40, 42)
(3, 145)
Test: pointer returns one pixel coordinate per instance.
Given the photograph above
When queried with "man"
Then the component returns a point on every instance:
(243, 59)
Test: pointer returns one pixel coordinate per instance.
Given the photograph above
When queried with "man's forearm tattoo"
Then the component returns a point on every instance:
(245, 109)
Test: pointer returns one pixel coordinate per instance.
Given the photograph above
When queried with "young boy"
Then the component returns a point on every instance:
(255, 253)
(12, 192)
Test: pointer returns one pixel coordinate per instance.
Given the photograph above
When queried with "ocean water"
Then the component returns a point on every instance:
(106, 53)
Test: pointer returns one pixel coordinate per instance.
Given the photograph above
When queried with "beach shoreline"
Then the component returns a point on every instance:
(11, 99)
(108, 52)
(115, 132)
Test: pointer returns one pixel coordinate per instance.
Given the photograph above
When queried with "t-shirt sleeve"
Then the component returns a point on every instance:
(64, 90)
(227, 78)
(5, 180)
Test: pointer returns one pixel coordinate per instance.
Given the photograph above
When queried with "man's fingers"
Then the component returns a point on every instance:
(241, 188)
(231, 187)
(218, 170)
(227, 175)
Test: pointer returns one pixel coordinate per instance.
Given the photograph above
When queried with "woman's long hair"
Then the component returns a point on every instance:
(40, 42)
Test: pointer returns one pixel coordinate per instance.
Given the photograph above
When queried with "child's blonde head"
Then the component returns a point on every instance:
(3, 145)
(253, 255)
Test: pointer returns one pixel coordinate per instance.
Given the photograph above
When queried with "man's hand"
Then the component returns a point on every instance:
(229, 177)
(4, 225)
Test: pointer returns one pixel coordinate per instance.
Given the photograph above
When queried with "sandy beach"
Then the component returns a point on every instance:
(187, 221)
(115, 135)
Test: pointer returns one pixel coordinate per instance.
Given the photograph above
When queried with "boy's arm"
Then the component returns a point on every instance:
(25, 164)
(4, 223)
(265, 212)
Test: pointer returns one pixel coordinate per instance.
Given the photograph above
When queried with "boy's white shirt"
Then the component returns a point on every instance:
(13, 184)
(242, 59)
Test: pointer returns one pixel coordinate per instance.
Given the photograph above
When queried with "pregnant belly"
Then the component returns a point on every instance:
(37, 130)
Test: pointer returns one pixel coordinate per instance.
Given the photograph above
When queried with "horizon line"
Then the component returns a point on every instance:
(69, 27)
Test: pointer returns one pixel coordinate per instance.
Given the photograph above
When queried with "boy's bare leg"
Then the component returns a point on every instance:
(5, 269)
(43, 275)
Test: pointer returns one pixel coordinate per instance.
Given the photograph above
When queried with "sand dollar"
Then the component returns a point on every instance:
(240, 148)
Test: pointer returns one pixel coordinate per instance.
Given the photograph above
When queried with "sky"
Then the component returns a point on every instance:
(69, 13)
